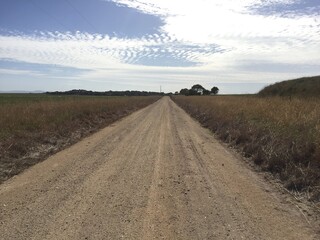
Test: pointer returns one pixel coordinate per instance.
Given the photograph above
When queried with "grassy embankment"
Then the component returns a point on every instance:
(303, 87)
(34, 126)
(281, 135)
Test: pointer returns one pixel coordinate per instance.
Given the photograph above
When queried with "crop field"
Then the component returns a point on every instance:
(34, 126)
(281, 135)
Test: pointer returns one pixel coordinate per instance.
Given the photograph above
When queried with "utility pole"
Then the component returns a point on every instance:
(160, 89)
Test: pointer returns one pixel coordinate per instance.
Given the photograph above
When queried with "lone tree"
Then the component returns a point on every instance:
(196, 89)
(214, 90)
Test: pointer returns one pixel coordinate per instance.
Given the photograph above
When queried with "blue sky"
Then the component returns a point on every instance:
(239, 46)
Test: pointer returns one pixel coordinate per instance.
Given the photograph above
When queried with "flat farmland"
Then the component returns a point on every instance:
(33, 126)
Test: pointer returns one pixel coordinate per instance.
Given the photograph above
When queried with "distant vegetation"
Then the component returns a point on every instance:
(302, 87)
(197, 89)
(34, 126)
(106, 93)
(281, 135)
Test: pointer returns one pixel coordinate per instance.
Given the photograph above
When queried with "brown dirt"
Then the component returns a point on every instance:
(156, 174)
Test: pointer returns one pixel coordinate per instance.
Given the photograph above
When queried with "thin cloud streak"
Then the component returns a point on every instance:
(20, 72)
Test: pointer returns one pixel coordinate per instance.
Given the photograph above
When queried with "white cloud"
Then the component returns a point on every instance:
(87, 51)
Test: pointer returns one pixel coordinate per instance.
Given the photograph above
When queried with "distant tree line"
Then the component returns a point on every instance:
(197, 89)
(106, 93)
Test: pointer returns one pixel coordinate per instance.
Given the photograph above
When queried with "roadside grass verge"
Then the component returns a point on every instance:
(280, 135)
(34, 126)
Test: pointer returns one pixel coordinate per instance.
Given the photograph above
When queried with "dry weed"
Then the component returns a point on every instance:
(281, 135)
(33, 127)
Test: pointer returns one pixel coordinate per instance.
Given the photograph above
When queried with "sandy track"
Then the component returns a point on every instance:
(156, 174)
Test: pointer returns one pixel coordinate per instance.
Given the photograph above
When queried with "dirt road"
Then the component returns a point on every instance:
(156, 174)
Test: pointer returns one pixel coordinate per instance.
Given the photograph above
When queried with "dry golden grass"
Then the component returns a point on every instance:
(281, 135)
(53, 114)
(34, 126)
